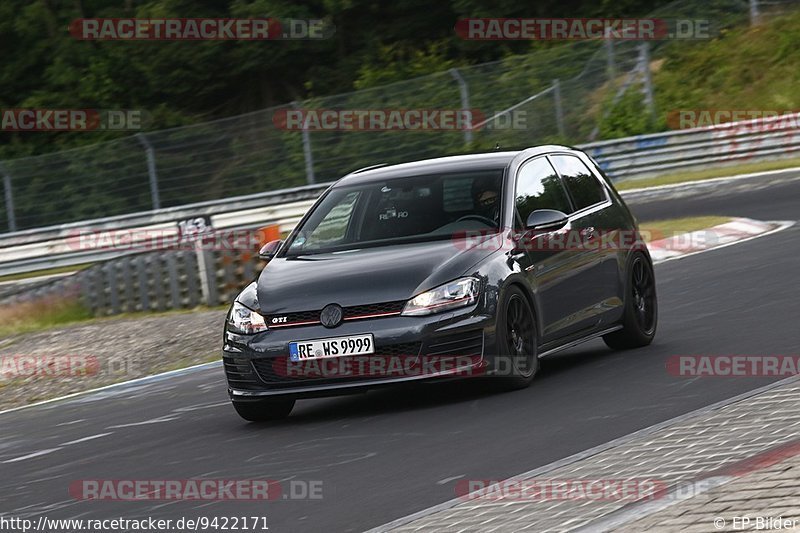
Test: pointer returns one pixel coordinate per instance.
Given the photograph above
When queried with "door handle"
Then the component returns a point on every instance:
(589, 233)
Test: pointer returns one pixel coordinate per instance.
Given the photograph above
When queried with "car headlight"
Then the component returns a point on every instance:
(458, 293)
(242, 318)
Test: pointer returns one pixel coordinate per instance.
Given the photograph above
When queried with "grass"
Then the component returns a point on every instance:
(36, 315)
(659, 229)
(44, 272)
(169, 312)
(699, 175)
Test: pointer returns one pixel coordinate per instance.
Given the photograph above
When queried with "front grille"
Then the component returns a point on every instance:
(462, 344)
(240, 373)
(463, 351)
(373, 309)
(410, 349)
(282, 371)
(293, 319)
(355, 312)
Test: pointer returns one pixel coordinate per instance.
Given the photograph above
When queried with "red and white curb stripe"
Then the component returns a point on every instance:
(733, 232)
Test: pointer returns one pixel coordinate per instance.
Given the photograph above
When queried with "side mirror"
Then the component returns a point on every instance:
(546, 220)
(269, 250)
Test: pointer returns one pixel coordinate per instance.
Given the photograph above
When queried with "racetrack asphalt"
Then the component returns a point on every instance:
(392, 452)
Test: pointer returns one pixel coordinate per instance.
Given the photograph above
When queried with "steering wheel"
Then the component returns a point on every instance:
(479, 218)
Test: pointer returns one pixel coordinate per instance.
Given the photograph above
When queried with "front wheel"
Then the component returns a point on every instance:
(640, 316)
(264, 410)
(517, 361)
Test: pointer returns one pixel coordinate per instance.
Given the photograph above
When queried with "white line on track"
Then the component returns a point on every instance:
(71, 422)
(85, 439)
(158, 420)
(32, 455)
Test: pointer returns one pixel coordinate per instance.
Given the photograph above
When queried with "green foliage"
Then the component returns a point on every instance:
(627, 116)
(396, 62)
(374, 44)
(180, 83)
(37, 315)
(743, 68)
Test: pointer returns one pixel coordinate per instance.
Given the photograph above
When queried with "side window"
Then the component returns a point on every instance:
(456, 194)
(538, 187)
(582, 185)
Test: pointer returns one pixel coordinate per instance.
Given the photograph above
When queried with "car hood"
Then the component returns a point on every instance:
(365, 276)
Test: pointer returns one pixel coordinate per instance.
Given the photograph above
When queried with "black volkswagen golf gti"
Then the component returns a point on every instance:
(465, 266)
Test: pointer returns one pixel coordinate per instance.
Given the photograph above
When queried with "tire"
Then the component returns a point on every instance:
(264, 410)
(516, 342)
(640, 317)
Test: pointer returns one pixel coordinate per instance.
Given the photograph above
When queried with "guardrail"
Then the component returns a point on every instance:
(626, 158)
(729, 144)
(62, 246)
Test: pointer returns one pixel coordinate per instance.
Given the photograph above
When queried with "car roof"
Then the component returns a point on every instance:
(454, 163)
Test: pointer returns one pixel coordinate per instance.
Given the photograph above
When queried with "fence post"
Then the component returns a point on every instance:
(12, 220)
(647, 87)
(755, 13)
(463, 90)
(207, 271)
(307, 153)
(559, 107)
(151, 169)
(611, 67)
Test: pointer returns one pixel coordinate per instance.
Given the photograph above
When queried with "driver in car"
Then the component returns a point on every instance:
(486, 199)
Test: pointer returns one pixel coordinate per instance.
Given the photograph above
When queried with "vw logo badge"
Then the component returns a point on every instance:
(331, 315)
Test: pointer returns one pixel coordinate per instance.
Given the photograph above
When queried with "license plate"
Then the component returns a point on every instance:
(333, 347)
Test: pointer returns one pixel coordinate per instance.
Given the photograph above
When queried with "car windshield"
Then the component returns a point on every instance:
(398, 210)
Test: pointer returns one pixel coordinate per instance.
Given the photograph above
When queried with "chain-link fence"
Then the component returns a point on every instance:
(555, 94)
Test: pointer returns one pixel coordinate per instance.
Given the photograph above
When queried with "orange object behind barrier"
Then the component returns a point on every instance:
(269, 234)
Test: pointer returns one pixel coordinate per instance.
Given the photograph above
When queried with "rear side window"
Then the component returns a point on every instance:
(538, 187)
(582, 185)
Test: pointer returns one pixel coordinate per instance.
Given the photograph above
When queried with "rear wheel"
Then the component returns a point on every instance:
(640, 317)
(517, 361)
(264, 410)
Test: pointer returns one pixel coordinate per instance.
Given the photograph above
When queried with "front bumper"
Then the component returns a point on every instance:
(408, 349)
